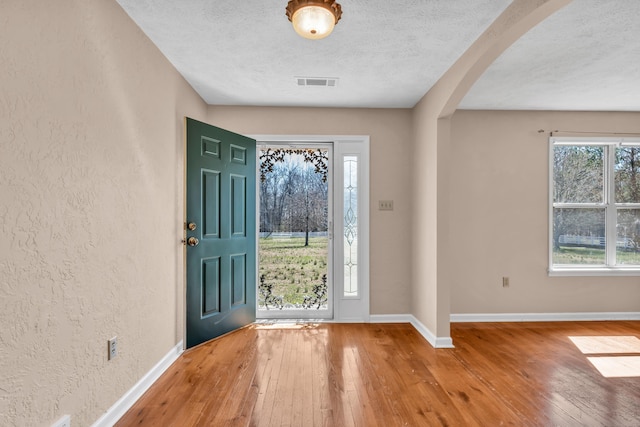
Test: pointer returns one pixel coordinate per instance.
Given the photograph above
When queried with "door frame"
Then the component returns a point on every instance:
(345, 309)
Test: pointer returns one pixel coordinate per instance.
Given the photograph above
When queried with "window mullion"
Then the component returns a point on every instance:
(580, 205)
(610, 202)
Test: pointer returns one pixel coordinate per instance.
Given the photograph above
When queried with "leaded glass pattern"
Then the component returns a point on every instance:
(350, 226)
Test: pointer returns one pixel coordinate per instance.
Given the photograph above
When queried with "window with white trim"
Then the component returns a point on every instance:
(594, 205)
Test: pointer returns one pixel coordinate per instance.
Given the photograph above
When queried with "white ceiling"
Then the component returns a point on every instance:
(389, 53)
(584, 57)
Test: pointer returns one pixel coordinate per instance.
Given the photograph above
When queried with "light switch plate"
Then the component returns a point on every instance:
(112, 345)
(385, 205)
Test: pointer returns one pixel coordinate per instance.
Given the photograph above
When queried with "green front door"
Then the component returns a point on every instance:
(221, 233)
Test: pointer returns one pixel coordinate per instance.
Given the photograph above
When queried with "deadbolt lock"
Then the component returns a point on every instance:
(191, 226)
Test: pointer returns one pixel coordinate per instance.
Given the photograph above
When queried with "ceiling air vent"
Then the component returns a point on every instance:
(317, 81)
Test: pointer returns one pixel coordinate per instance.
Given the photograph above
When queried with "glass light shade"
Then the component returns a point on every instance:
(313, 22)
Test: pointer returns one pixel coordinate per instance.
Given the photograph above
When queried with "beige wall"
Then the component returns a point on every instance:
(390, 134)
(498, 217)
(91, 207)
(431, 118)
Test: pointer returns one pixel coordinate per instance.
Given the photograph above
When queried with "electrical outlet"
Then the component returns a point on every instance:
(505, 282)
(65, 421)
(113, 348)
(385, 205)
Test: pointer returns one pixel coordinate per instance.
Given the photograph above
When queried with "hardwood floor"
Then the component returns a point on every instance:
(521, 374)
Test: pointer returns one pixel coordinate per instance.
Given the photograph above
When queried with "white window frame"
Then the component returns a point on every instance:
(610, 269)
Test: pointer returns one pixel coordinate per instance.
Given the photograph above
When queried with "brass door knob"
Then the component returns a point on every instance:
(192, 241)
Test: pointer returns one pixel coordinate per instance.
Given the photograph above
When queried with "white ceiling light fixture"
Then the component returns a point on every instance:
(314, 19)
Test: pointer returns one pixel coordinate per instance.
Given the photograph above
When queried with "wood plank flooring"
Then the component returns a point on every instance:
(520, 374)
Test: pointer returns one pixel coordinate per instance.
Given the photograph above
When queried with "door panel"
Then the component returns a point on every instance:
(238, 205)
(221, 275)
(211, 210)
(211, 285)
(238, 278)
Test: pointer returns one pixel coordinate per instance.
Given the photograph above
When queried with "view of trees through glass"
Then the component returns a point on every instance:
(293, 244)
(583, 197)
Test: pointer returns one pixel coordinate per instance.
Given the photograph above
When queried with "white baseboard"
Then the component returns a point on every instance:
(436, 342)
(446, 342)
(129, 398)
(542, 317)
(390, 318)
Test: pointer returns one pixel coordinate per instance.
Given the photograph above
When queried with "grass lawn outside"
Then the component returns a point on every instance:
(292, 268)
(592, 256)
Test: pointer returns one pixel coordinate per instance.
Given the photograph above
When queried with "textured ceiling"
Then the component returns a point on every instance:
(385, 53)
(584, 57)
(389, 53)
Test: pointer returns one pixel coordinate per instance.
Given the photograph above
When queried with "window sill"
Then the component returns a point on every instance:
(595, 271)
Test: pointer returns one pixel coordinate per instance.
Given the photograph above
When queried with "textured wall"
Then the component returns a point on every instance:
(390, 139)
(91, 200)
(499, 215)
